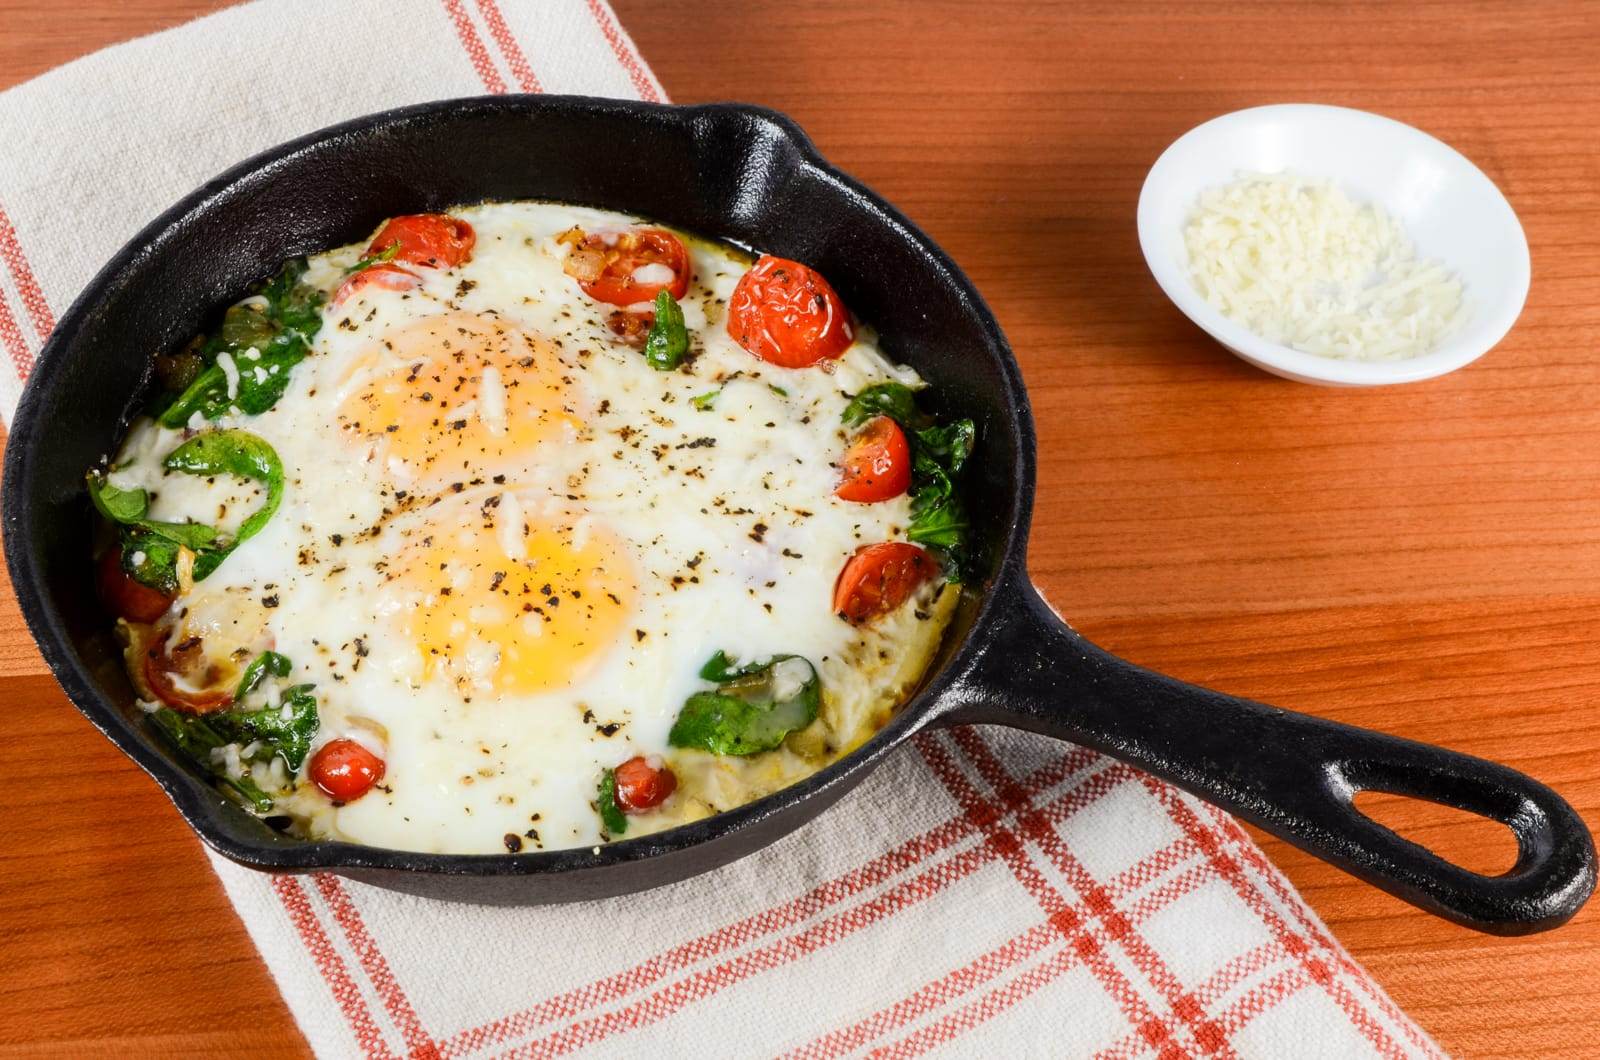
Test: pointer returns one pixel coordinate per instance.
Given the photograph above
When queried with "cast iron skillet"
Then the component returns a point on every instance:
(750, 176)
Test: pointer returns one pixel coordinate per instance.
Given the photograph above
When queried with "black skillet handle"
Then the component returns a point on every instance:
(1293, 775)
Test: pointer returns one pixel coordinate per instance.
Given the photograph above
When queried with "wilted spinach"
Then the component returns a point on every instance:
(156, 543)
(264, 337)
(285, 730)
(753, 707)
(196, 739)
(267, 664)
(611, 815)
(668, 341)
(282, 731)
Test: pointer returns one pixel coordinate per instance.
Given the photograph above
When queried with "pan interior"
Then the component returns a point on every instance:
(739, 174)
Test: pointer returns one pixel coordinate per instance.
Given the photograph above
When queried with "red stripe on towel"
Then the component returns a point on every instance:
(509, 46)
(38, 310)
(11, 339)
(395, 1002)
(474, 46)
(625, 54)
(331, 965)
(1230, 870)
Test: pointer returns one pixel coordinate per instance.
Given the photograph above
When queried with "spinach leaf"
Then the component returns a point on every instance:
(233, 452)
(264, 336)
(195, 738)
(668, 340)
(268, 662)
(150, 558)
(894, 400)
(938, 518)
(208, 394)
(118, 505)
(949, 445)
(285, 730)
(940, 524)
(611, 815)
(196, 537)
(294, 306)
(753, 707)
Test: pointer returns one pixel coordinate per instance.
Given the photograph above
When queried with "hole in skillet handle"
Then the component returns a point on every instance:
(1474, 842)
(1290, 774)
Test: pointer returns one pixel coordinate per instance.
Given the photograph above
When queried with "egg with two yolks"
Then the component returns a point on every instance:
(508, 542)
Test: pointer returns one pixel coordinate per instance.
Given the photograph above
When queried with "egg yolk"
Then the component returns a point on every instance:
(512, 603)
(458, 392)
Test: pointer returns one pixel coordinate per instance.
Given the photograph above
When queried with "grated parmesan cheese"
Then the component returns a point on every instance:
(1299, 263)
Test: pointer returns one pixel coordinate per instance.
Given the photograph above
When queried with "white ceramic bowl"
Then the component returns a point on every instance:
(1448, 207)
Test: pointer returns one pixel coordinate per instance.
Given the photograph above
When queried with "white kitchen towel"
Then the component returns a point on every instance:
(985, 893)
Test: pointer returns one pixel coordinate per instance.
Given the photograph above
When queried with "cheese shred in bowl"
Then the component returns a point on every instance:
(1300, 263)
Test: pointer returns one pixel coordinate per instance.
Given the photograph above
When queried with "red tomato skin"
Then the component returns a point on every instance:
(124, 594)
(385, 274)
(878, 578)
(631, 328)
(787, 314)
(433, 239)
(642, 786)
(345, 770)
(643, 246)
(877, 467)
(159, 666)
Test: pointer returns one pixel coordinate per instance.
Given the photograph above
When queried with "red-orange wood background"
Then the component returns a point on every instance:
(1424, 560)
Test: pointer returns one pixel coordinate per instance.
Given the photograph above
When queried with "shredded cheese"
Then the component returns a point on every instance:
(230, 372)
(654, 273)
(511, 527)
(493, 394)
(1300, 263)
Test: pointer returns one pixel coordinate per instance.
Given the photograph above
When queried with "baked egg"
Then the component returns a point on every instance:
(526, 526)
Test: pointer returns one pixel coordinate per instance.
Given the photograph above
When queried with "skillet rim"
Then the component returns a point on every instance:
(197, 800)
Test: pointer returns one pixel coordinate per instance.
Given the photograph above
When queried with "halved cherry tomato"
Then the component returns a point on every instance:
(163, 662)
(125, 595)
(631, 328)
(384, 274)
(787, 314)
(878, 463)
(433, 239)
(879, 578)
(345, 770)
(642, 786)
(622, 269)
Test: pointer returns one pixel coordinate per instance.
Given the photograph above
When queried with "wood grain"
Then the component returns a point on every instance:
(1424, 559)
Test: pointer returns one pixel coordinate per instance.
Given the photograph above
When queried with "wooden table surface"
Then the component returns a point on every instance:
(1424, 560)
